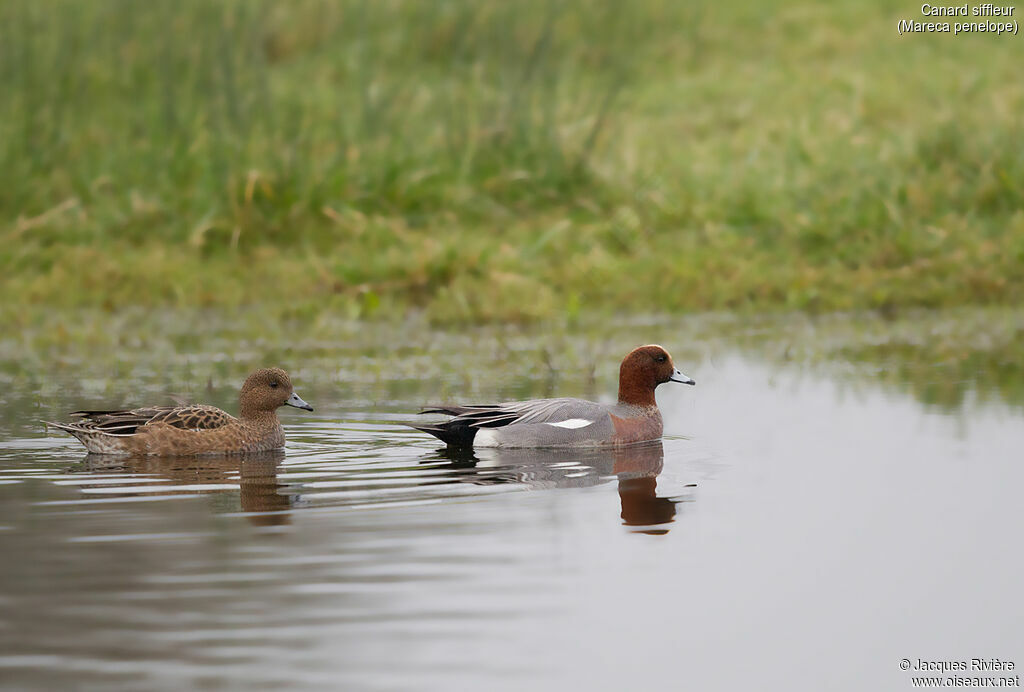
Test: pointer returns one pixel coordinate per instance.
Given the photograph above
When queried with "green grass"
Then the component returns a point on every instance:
(494, 161)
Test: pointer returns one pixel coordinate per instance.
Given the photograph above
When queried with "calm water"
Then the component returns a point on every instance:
(805, 524)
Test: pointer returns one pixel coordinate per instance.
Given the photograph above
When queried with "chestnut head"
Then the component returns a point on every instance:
(642, 370)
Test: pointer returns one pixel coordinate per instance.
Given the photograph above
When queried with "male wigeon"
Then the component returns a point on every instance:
(568, 422)
(196, 429)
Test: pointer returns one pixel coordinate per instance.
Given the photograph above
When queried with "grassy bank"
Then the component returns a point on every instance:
(504, 161)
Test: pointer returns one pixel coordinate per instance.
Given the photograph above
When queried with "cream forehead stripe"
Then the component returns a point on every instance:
(572, 423)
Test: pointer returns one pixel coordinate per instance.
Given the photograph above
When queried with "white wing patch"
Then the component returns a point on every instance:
(572, 423)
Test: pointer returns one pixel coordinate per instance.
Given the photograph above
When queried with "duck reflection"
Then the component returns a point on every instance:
(255, 476)
(636, 468)
(267, 501)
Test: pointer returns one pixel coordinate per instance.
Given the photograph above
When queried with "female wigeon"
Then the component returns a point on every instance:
(568, 422)
(196, 429)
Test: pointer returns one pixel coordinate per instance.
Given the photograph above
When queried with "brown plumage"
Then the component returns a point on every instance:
(195, 429)
(640, 373)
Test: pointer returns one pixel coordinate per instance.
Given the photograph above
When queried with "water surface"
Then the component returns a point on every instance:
(805, 524)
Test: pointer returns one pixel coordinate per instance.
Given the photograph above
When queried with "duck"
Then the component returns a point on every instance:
(567, 422)
(194, 429)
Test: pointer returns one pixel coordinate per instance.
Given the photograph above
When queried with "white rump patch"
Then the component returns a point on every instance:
(485, 437)
(572, 423)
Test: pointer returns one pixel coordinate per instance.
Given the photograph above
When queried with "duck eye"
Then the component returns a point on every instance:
(660, 359)
(273, 385)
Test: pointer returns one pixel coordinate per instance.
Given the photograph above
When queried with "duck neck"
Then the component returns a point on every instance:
(260, 417)
(634, 393)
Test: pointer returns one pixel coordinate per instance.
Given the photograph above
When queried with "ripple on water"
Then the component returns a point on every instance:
(332, 467)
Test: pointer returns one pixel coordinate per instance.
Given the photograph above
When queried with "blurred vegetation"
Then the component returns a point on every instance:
(943, 359)
(950, 361)
(503, 161)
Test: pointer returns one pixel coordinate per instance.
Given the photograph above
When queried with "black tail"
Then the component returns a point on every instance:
(454, 433)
